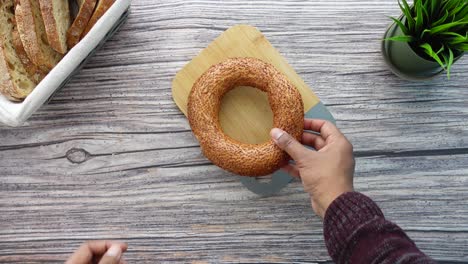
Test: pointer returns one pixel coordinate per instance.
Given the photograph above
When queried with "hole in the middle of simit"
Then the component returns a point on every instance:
(246, 116)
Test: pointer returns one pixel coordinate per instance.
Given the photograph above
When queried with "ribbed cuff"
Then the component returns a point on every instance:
(343, 217)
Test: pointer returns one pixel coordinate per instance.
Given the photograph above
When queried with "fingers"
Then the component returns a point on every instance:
(291, 170)
(90, 249)
(83, 255)
(313, 140)
(287, 143)
(313, 124)
(112, 255)
(325, 128)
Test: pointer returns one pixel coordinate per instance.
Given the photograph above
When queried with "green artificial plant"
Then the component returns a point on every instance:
(435, 29)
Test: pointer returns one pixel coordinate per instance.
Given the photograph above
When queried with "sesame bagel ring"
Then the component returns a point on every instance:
(203, 113)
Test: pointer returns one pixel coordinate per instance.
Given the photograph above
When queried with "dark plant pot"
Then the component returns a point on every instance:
(403, 61)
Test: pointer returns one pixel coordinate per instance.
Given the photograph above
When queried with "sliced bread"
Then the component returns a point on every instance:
(56, 15)
(76, 29)
(101, 8)
(33, 35)
(15, 82)
(34, 72)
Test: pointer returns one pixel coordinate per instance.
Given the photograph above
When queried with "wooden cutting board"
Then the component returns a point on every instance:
(245, 114)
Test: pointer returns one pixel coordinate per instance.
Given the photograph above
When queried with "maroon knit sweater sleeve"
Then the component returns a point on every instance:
(356, 231)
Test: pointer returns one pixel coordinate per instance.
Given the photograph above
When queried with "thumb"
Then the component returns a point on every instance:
(112, 256)
(287, 143)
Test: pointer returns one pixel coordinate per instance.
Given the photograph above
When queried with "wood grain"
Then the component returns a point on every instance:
(112, 156)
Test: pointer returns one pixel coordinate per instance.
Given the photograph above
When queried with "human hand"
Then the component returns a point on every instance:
(327, 172)
(101, 252)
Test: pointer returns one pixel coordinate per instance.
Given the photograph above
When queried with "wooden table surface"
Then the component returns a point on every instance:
(111, 156)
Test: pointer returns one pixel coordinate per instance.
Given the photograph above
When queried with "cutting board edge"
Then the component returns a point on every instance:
(192, 61)
(180, 103)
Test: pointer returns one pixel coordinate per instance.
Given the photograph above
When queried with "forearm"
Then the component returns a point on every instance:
(356, 231)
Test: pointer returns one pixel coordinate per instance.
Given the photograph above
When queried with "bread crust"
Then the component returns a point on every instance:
(57, 42)
(81, 20)
(101, 8)
(203, 110)
(30, 29)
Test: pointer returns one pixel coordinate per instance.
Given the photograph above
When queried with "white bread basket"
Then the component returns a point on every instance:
(15, 114)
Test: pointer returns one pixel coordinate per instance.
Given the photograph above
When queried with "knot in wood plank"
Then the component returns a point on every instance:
(77, 155)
